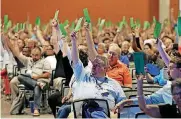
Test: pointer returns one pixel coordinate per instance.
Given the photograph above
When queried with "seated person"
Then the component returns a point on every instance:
(37, 76)
(163, 95)
(162, 111)
(159, 79)
(102, 87)
(117, 70)
(65, 109)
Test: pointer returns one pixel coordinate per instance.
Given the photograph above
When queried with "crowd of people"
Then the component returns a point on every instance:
(96, 62)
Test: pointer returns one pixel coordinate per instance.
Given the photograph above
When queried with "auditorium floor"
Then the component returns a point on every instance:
(5, 108)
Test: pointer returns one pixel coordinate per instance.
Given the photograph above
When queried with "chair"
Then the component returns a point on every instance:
(133, 73)
(151, 87)
(126, 88)
(129, 111)
(133, 93)
(141, 115)
(77, 106)
(65, 90)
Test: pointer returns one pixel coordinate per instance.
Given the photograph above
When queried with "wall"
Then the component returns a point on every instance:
(113, 10)
(164, 9)
(175, 4)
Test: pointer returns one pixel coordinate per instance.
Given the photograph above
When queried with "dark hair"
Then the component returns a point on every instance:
(176, 83)
(149, 45)
(105, 39)
(83, 57)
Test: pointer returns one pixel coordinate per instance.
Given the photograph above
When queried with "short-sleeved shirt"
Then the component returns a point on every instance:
(169, 111)
(120, 72)
(162, 96)
(36, 68)
(89, 87)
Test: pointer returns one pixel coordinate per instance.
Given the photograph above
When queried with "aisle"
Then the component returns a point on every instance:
(5, 107)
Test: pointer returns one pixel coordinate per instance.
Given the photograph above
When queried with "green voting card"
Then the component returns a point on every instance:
(139, 60)
(38, 21)
(154, 19)
(17, 27)
(20, 26)
(157, 29)
(146, 25)
(61, 26)
(56, 15)
(99, 21)
(124, 20)
(78, 26)
(86, 15)
(5, 20)
(101, 24)
(179, 26)
(66, 23)
(121, 25)
(138, 24)
(72, 26)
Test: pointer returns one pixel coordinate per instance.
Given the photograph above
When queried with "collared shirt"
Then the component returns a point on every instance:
(36, 68)
(162, 96)
(89, 87)
(52, 60)
(120, 73)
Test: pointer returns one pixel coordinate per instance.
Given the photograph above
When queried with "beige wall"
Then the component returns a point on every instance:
(164, 9)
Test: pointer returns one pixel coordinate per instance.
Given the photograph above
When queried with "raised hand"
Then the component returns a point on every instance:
(73, 35)
(86, 26)
(54, 23)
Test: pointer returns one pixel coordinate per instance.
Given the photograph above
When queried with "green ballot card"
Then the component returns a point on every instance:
(146, 25)
(20, 26)
(56, 14)
(66, 22)
(99, 21)
(139, 60)
(86, 15)
(17, 27)
(132, 23)
(124, 20)
(154, 19)
(72, 26)
(101, 24)
(157, 29)
(138, 24)
(38, 22)
(179, 26)
(5, 20)
(121, 25)
(61, 26)
(78, 26)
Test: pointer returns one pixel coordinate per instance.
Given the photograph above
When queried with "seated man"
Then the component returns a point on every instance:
(117, 70)
(37, 77)
(102, 87)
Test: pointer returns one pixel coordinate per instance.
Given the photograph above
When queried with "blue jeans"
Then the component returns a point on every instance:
(31, 84)
(64, 111)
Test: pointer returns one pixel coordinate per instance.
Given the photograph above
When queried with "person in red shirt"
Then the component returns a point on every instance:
(118, 70)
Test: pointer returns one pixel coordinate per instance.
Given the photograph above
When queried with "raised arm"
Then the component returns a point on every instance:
(162, 52)
(151, 110)
(91, 49)
(75, 56)
(39, 35)
(136, 41)
(15, 50)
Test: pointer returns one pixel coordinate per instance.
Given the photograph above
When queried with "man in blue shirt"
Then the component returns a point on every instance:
(102, 87)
